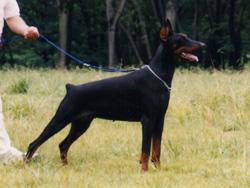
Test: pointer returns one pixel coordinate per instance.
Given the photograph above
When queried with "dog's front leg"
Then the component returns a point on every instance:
(157, 136)
(147, 130)
(156, 153)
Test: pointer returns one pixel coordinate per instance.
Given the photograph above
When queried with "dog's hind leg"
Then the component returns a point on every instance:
(78, 127)
(62, 118)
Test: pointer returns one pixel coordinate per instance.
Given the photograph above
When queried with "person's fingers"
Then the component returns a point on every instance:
(31, 33)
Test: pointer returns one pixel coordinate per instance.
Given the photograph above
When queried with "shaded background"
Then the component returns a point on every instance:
(119, 33)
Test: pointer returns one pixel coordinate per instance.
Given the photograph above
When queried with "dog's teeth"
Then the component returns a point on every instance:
(183, 53)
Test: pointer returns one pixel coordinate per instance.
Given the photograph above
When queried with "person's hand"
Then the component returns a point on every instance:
(31, 33)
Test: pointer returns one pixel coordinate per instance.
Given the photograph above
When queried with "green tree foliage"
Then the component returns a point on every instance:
(223, 25)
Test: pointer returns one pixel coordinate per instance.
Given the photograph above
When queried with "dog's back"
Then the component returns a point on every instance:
(117, 98)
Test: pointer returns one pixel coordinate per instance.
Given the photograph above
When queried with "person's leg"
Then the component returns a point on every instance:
(7, 153)
(4, 137)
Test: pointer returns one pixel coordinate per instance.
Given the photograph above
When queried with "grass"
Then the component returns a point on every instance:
(206, 140)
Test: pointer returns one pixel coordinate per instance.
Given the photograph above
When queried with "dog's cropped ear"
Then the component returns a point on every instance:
(166, 30)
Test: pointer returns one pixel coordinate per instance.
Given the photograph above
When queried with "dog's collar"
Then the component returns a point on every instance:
(165, 84)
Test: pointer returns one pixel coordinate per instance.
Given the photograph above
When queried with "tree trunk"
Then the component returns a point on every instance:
(69, 31)
(63, 32)
(195, 24)
(214, 12)
(171, 12)
(154, 8)
(234, 30)
(159, 7)
(112, 19)
(111, 46)
(130, 38)
(218, 11)
(210, 13)
(143, 28)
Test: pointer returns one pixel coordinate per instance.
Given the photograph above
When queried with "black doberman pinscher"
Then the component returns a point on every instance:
(142, 95)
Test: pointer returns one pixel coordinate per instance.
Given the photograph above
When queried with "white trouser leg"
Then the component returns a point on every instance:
(4, 138)
(7, 153)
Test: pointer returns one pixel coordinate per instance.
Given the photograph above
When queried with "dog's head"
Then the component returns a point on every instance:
(179, 43)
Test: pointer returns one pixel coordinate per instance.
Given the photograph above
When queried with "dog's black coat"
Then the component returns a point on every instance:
(124, 98)
(137, 96)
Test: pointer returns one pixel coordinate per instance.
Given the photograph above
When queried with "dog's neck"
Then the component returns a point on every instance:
(163, 63)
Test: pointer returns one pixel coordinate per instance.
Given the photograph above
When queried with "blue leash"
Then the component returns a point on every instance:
(83, 62)
(74, 58)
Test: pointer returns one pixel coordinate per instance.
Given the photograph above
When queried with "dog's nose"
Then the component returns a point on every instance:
(203, 45)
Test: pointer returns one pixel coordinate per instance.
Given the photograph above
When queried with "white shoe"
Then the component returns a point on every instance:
(13, 155)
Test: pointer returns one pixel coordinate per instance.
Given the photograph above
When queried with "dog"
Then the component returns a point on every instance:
(141, 96)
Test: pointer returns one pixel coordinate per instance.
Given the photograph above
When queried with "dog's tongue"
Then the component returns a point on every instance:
(189, 57)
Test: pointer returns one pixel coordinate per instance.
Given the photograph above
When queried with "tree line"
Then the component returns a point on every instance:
(118, 33)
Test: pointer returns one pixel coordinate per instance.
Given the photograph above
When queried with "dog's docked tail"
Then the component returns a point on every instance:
(69, 87)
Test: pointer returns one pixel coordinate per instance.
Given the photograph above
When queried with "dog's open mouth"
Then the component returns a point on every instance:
(189, 57)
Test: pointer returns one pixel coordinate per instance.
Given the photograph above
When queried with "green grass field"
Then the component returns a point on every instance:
(206, 139)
